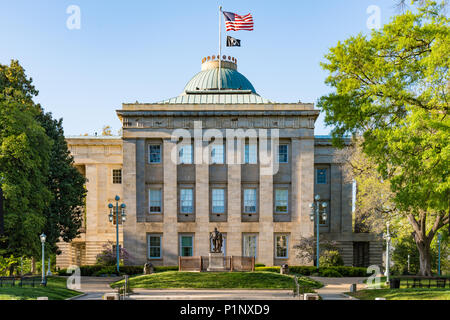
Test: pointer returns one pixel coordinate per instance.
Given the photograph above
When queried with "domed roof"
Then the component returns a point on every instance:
(207, 79)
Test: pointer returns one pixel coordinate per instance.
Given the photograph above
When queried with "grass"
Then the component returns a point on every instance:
(403, 294)
(218, 280)
(55, 290)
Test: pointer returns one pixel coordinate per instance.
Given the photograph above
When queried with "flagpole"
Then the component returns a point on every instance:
(219, 78)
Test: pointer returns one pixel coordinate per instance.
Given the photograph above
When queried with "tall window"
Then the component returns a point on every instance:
(249, 245)
(186, 245)
(154, 153)
(117, 176)
(186, 200)
(251, 153)
(154, 246)
(321, 176)
(283, 153)
(281, 246)
(155, 200)
(249, 200)
(281, 200)
(218, 200)
(218, 154)
(185, 154)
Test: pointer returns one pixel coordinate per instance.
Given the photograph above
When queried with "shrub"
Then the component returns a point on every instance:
(268, 269)
(331, 258)
(165, 268)
(329, 273)
(259, 265)
(96, 270)
(108, 256)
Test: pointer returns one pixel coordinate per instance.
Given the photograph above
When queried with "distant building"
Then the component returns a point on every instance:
(175, 198)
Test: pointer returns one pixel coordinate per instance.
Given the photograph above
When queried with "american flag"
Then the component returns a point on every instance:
(235, 22)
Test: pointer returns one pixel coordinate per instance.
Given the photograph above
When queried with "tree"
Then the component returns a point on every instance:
(24, 160)
(43, 190)
(65, 211)
(107, 131)
(374, 199)
(306, 248)
(392, 88)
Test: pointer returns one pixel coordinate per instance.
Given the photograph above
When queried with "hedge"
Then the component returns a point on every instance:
(344, 271)
(97, 270)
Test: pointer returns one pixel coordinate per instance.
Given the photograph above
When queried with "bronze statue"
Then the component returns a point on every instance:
(217, 241)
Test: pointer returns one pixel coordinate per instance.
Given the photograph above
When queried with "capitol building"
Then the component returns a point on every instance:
(221, 156)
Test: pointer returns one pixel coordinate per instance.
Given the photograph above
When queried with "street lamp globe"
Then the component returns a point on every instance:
(43, 237)
(317, 197)
(117, 198)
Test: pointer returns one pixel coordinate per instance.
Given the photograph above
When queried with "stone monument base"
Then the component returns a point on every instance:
(216, 262)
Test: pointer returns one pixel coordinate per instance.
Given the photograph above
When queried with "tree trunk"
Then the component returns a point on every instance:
(33, 265)
(424, 258)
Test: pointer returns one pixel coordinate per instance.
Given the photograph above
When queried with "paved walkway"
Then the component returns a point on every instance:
(213, 294)
(95, 287)
(334, 288)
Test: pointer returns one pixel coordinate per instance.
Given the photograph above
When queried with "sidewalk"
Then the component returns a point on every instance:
(95, 287)
(334, 288)
(211, 294)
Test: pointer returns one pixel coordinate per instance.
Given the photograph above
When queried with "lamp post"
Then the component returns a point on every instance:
(115, 210)
(314, 215)
(439, 237)
(387, 237)
(44, 280)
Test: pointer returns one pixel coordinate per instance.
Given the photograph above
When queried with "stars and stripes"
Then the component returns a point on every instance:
(235, 22)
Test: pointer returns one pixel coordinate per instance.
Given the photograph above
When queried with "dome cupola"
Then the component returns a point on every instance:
(208, 77)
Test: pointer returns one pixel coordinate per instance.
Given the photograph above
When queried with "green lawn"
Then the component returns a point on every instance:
(55, 290)
(403, 294)
(218, 280)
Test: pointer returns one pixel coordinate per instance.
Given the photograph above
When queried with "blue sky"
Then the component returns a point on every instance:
(147, 51)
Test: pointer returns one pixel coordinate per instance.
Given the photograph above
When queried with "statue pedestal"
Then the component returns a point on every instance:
(216, 262)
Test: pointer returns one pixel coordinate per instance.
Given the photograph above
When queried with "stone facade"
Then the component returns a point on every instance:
(276, 233)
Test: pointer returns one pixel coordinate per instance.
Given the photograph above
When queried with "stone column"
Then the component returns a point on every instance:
(234, 234)
(346, 214)
(170, 235)
(201, 245)
(130, 231)
(335, 198)
(303, 193)
(265, 237)
(91, 202)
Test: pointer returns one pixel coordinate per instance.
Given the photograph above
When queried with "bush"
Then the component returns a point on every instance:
(329, 273)
(259, 265)
(268, 269)
(331, 258)
(165, 268)
(96, 270)
(345, 271)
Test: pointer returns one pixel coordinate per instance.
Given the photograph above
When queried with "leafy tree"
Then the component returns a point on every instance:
(392, 88)
(65, 211)
(374, 198)
(43, 191)
(108, 256)
(107, 131)
(24, 161)
(306, 248)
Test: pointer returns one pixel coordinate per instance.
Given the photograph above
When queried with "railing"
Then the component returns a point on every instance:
(231, 263)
